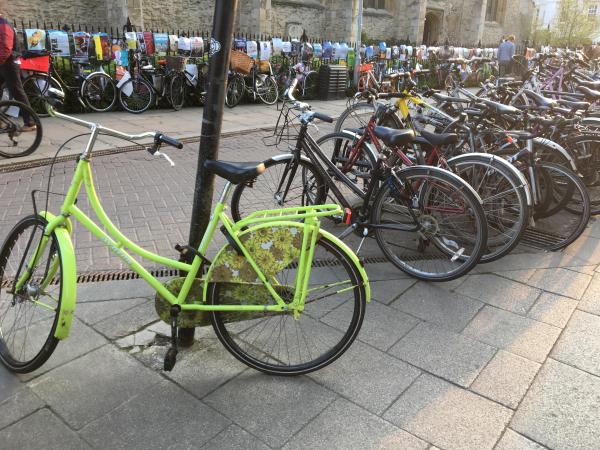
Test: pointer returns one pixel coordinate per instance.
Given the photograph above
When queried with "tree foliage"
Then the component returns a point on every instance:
(572, 27)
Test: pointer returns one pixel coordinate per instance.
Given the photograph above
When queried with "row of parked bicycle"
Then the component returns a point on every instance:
(446, 181)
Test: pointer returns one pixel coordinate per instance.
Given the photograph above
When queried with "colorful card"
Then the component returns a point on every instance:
(36, 39)
(161, 43)
(59, 42)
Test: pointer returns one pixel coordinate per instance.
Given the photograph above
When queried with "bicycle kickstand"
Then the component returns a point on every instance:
(171, 356)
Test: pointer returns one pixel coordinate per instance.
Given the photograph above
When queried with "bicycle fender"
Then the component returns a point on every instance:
(505, 163)
(559, 148)
(370, 147)
(69, 277)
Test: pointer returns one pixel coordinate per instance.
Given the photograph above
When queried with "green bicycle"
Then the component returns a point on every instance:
(260, 293)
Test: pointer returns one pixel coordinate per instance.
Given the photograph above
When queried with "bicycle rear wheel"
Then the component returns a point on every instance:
(36, 87)
(429, 223)
(13, 141)
(177, 91)
(136, 95)
(235, 90)
(280, 343)
(266, 89)
(28, 318)
(99, 92)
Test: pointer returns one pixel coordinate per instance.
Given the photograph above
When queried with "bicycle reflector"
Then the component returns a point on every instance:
(347, 218)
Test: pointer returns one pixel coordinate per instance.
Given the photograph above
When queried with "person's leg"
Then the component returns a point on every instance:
(11, 74)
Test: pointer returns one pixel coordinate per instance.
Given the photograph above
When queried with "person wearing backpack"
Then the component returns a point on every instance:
(506, 50)
(10, 73)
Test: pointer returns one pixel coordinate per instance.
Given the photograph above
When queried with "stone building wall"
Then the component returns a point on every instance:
(292, 18)
(178, 14)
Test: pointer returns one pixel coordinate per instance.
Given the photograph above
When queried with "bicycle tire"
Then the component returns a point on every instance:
(359, 114)
(141, 97)
(504, 200)
(99, 92)
(177, 91)
(313, 336)
(268, 91)
(35, 87)
(13, 142)
(422, 246)
(235, 91)
(311, 84)
(570, 207)
(263, 193)
(42, 347)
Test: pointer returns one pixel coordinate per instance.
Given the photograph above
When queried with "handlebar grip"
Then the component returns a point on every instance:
(169, 140)
(323, 117)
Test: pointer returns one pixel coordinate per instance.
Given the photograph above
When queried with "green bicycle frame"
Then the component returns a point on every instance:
(306, 218)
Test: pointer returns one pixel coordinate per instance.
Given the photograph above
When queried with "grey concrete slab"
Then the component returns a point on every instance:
(272, 407)
(531, 260)
(382, 326)
(437, 305)
(100, 381)
(385, 271)
(113, 290)
(500, 292)
(506, 378)
(449, 355)
(586, 248)
(589, 270)
(389, 290)
(516, 334)
(561, 281)
(448, 416)
(93, 312)
(344, 425)
(518, 275)
(553, 309)
(579, 345)
(590, 301)
(21, 403)
(41, 430)
(128, 321)
(81, 340)
(234, 438)
(160, 416)
(514, 441)
(9, 383)
(371, 378)
(560, 409)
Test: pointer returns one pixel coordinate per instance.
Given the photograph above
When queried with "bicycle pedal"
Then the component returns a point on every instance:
(170, 359)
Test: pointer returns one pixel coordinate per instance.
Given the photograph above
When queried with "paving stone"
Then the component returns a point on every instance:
(371, 378)
(9, 383)
(561, 281)
(448, 416)
(344, 425)
(579, 345)
(514, 441)
(281, 405)
(161, 416)
(82, 339)
(434, 304)
(141, 338)
(113, 290)
(100, 381)
(500, 292)
(590, 270)
(389, 290)
(21, 403)
(128, 322)
(531, 260)
(553, 309)
(452, 356)
(518, 275)
(561, 408)
(385, 271)
(382, 326)
(95, 311)
(586, 248)
(590, 301)
(516, 334)
(41, 430)
(506, 378)
(234, 438)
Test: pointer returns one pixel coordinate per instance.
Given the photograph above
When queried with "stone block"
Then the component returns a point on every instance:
(579, 345)
(514, 441)
(389, 290)
(590, 301)
(561, 281)
(21, 403)
(553, 309)
(234, 438)
(128, 322)
(95, 311)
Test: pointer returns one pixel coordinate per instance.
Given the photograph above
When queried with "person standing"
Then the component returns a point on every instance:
(9, 69)
(506, 51)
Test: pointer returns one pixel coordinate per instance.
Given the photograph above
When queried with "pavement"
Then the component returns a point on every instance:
(507, 357)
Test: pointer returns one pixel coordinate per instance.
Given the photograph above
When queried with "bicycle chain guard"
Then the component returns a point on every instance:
(272, 248)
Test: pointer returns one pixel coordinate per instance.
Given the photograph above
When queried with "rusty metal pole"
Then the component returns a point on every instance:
(220, 45)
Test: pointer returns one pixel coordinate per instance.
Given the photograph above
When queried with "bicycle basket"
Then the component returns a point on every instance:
(264, 66)
(240, 62)
(176, 63)
(36, 63)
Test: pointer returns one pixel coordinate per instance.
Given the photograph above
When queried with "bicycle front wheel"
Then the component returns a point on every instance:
(235, 91)
(267, 90)
(177, 91)
(280, 343)
(99, 92)
(15, 142)
(136, 95)
(29, 316)
(36, 87)
(430, 224)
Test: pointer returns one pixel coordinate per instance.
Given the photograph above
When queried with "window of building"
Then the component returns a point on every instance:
(491, 13)
(376, 4)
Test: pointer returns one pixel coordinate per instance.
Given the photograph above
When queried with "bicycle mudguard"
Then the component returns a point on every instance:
(553, 146)
(68, 292)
